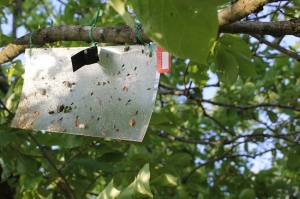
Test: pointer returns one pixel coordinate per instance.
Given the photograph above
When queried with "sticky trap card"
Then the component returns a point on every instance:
(113, 98)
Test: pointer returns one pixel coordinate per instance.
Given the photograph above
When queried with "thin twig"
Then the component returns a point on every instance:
(2, 106)
(277, 47)
(72, 158)
(89, 186)
(182, 139)
(35, 156)
(70, 191)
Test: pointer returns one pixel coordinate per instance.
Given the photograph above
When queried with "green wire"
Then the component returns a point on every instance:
(94, 24)
(30, 43)
(138, 35)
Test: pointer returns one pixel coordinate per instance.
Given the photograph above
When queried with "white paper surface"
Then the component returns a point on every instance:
(113, 98)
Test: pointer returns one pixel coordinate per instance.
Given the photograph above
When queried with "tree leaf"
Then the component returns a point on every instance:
(272, 116)
(26, 165)
(6, 138)
(178, 27)
(164, 180)
(109, 192)
(119, 6)
(226, 66)
(32, 181)
(142, 181)
(247, 194)
(128, 191)
(179, 159)
(236, 44)
(139, 185)
(71, 141)
(246, 67)
(4, 39)
(159, 119)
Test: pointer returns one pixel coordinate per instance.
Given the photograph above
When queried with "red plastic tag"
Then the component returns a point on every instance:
(163, 61)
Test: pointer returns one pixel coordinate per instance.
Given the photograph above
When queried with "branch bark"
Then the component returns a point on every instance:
(240, 9)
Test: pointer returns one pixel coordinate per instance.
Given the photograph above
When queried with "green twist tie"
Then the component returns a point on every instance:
(30, 44)
(138, 35)
(94, 24)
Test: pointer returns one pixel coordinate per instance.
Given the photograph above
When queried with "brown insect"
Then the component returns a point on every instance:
(104, 133)
(67, 84)
(60, 108)
(50, 112)
(131, 122)
(127, 102)
(76, 122)
(125, 88)
(126, 48)
(43, 92)
(36, 113)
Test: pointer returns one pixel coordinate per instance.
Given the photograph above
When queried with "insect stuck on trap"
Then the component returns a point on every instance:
(126, 48)
(82, 126)
(131, 122)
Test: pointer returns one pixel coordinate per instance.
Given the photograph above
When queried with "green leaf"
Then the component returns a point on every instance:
(179, 159)
(226, 66)
(128, 191)
(236, 44)
(259, 130)
(142, 181)
(210, 3)
(26, 165)
(6, 138)
(86, 165)
(18, 87)
(139, 185)
(119, 6)
(157, 118)
(71, 141)
(185, 29)
(165, 180)
(272, 116)
(4, 39)
(198, 74)
(246, 67)
(31, 181)
(109, 192)
(15, 70)
(247, 194)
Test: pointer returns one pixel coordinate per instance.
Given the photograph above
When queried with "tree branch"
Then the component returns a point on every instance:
(240, 9)
(279, 48)
(276, 29)
(117, 35)
(182, 139)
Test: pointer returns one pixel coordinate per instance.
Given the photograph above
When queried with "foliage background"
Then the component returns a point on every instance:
(195, 147)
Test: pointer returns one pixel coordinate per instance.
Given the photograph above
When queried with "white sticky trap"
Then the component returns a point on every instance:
(113, 98)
